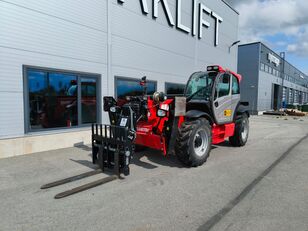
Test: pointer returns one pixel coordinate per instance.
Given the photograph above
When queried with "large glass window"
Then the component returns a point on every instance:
(173, 89)
(54, 100)
(131, 87)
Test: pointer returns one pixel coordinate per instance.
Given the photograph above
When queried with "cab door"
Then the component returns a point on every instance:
(222, 99)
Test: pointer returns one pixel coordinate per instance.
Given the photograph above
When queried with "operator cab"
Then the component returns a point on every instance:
(215, 92)
(200, 85)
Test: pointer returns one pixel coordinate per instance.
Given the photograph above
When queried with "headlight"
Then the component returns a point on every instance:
(161, 113)
(113, 109)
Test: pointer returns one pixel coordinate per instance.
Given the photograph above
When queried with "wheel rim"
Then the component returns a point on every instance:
(201, 142)
(245, 129)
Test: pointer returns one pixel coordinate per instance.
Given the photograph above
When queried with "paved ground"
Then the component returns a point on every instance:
(262, 186)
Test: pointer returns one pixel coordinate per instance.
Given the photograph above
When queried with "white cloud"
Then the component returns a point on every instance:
(300, 48)
(261, 18)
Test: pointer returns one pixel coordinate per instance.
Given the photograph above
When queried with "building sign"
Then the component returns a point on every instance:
(201, 16)
(273, 59)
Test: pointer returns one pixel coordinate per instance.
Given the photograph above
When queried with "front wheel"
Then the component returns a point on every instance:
(193, 143)
(241, 131)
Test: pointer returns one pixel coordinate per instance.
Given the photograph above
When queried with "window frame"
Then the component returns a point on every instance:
(217, 86)
(125, 78)
(79, 75)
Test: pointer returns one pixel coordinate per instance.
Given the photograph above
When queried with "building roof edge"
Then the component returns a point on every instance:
(231, 7)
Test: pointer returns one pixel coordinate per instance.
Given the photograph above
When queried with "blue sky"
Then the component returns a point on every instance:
(279, 42)
(280, 24)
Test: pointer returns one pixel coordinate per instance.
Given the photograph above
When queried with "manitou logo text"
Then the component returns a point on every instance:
(199, 10)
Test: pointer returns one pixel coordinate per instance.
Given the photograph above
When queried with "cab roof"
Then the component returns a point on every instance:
(220, 69)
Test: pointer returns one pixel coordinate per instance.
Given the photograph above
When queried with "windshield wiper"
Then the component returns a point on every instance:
(198, 91)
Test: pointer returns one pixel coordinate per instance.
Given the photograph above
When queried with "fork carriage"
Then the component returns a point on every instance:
(112, 147)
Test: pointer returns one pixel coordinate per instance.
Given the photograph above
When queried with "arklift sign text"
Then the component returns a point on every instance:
(200, 16)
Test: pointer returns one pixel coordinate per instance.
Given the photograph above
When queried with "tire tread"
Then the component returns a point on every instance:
(183, 141)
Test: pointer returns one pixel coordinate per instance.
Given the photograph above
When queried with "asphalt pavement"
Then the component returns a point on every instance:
(261, 186)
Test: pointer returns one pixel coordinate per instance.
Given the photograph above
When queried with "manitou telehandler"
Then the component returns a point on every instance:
(209, 112)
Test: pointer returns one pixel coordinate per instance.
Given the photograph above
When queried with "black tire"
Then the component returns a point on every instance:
(240, 137)
(188, 148)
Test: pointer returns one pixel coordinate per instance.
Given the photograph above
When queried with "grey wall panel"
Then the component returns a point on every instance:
(27, 30)
(147, 31)
(11, 114)
(132, 54)
(265, 94)
(152, 46)
(69, 35)
(129, 22)
(80, 12)
(210, 55)
(248, 67)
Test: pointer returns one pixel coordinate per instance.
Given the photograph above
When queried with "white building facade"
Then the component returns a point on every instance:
(58, 58)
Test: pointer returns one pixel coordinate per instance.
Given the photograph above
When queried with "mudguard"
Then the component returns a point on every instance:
(241, 108)
(195, 114)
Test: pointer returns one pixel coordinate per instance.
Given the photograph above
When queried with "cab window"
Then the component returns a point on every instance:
(235, 86)
(223, 86)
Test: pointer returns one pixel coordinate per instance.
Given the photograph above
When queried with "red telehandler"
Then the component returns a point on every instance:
(209, 112)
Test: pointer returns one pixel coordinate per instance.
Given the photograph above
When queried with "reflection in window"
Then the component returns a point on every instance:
(174, 88)
(235, 86)
(53, 100)
(88, 100)
(61, 103)
(223, 85)
(131, 87)
(38, 90)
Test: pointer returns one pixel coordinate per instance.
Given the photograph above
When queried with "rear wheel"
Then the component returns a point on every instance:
(241, 131)
(193, 143)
